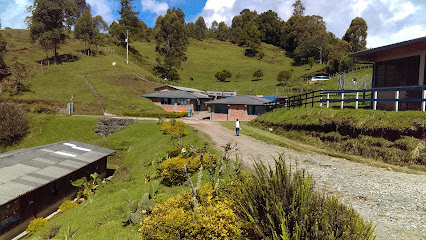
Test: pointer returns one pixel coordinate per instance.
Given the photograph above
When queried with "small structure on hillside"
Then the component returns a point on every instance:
(218, 94)
(35, 181)
(399, 65)
(178, 100)
(242, 107)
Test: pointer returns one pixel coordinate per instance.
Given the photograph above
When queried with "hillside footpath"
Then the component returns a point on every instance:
(394, 201)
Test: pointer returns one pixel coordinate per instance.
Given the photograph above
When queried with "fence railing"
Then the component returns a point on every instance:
(368, 98)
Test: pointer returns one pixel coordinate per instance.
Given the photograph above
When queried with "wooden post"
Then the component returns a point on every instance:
(313, 96)
(396, 100)
(341, 102)
(328, 100)
(375, 100)
(356, 103)
(424, 100)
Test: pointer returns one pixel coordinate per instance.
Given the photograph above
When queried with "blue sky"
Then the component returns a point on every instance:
(389, 21)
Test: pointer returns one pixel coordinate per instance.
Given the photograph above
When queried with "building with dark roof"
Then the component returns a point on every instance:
(242, 107)
(35, 181)
(399, 65)
(178, 100)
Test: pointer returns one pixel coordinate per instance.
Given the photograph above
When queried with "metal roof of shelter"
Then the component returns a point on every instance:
(180, 88)
(176, 94)
(372, 54)
(241, 99)
(27, 169)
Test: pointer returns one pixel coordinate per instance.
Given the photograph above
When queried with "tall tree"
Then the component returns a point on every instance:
(47, 24)
(200, 29)
(251, 35)
(129, 21)
(270, 27)
(73, 10)
(223, 32)
(85, 28)
(238, 23)
(298, 8)
(172, 41)
(356, 35)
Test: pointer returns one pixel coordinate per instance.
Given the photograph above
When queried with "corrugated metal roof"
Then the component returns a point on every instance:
(176, 94)
(240, 99)
(186, 89)
(24, 170)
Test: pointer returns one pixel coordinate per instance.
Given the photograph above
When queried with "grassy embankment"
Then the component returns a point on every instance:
(54, 84)
(390, 138)
(101, 219)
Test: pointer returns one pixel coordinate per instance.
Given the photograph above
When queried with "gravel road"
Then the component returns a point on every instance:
(395, 202)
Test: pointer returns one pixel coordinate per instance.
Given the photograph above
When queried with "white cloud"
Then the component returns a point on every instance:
(404, 34)
(389, 21)
(13, 13)
(405, 10)
(160, 8)
(103, 8)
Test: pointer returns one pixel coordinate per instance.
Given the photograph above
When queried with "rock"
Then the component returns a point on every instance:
(111, 125)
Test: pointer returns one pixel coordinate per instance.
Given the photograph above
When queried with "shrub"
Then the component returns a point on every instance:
(13, 123)
(173, 172)
(175, 219)
(43, 109)
(140, 113)
(36, 224)
(67, 205)
(281, 204)
(176, 129)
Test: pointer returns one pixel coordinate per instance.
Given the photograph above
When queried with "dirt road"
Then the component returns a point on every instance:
(395, 202)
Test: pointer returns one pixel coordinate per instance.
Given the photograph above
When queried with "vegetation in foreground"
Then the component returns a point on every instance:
(209, 196)
(392, 137)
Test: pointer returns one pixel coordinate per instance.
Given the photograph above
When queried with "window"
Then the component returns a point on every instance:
(166, 101)
(397, 72)
(221, 108)
(254, 110)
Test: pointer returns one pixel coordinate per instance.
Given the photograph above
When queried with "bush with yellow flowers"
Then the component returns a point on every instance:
(177, 219)
(173, 172)
(36, 225)
(67, 205)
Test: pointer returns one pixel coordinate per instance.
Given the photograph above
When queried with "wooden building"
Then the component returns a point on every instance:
(35, 181)
(242, 107)
(400, 65)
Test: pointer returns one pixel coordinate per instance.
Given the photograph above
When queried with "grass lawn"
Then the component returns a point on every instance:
(205, 58)
(136, 146)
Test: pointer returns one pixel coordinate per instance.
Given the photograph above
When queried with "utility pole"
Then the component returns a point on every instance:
(127, 47)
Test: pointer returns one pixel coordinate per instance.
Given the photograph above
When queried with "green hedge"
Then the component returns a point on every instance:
(139, 113)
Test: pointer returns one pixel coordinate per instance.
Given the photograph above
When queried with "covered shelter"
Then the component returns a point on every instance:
(399, 65)
(171, 88)
(242, 107)
(178, 100)
(35, 181)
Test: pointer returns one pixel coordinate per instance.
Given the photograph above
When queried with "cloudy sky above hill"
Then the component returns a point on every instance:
(389, 21)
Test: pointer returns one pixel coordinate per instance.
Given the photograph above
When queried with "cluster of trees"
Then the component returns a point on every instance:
(51, 21)
(303, 37)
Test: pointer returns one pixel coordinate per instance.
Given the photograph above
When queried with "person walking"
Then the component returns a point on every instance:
(237, 127)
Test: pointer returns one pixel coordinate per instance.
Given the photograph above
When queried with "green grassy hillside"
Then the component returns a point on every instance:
(118, 86)
(205, 58)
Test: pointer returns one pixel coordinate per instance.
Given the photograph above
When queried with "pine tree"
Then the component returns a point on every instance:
(200, 29)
